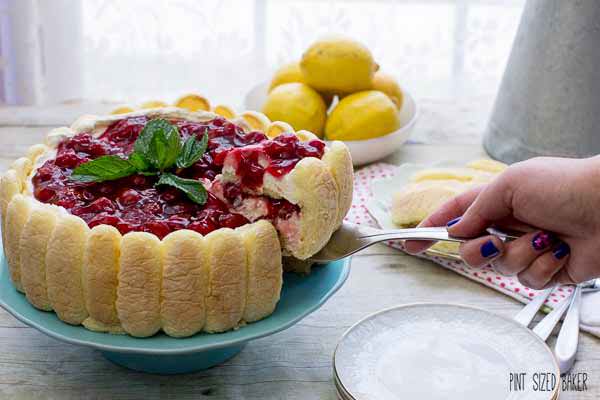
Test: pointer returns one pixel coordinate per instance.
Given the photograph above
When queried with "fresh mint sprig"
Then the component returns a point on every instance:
(194, 190)
(192, 150)
(158, 144)
(157, 149)
(104, 168)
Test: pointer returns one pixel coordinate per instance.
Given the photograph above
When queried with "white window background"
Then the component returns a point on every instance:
(55, 51)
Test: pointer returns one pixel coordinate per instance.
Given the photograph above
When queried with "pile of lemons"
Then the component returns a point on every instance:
(300, 93)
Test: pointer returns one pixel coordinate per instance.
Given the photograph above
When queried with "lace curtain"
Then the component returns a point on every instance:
(60, 50)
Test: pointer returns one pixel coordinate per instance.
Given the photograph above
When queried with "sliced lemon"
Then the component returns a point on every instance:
(153, 104)
(224, 111)
(256, 120)
(193, 102)
(122, 110)
(305, 136)
(277, 128)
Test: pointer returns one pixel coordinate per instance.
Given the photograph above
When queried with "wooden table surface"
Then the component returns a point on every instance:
(293, 364)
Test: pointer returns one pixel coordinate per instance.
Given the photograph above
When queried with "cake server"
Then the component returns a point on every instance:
(351, 238)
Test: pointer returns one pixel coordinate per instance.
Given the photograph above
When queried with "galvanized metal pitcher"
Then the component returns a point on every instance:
(549, 99)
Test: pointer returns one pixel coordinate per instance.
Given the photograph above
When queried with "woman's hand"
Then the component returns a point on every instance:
(555, 200)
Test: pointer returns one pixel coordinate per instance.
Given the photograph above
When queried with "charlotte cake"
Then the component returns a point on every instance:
(125, 255)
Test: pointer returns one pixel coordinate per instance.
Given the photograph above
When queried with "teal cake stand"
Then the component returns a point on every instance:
(162, 354)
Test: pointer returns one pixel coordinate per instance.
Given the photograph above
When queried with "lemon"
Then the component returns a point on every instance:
(388, 85)
(255, 120)
(153, 104)
(289, 73)
(122, 110)
(297, 104)
(277, 128)
(338, 65)
(193, 102)
(224, 111)
(363, 115)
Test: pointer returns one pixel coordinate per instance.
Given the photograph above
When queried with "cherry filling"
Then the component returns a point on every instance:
(134, 204)
(276, 157)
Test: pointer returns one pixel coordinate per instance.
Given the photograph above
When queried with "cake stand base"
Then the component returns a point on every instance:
(170, 364)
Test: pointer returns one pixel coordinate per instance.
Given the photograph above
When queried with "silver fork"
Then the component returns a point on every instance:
(567, 340)
(351, 238)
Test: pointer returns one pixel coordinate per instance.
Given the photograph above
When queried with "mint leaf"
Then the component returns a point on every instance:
(158, 144)
(105, 168)
(142, 143)
(164, 150)
(194, 189)
(192, 150)
(138, 161)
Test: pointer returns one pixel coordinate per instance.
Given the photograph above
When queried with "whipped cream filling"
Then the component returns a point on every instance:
(256, 207)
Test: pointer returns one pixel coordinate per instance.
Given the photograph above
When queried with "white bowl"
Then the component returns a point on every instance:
(363, 151)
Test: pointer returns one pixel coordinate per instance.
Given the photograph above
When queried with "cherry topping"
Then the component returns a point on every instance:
(129, 196)
(159, 228)
(134, 204)
(103, 218)
(249, 167)
(70, 160)
(176, 223)
(44, 194)
(204, 226)
(232, 220)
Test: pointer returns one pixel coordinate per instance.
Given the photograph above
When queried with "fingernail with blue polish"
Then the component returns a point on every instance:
(561, 251)
(452, 222)
(489, 249)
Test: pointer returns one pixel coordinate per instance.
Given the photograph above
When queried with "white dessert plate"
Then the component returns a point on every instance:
(363, 151)
(442, 351)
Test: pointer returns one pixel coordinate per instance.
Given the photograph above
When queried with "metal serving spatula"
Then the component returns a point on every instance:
(351, 238)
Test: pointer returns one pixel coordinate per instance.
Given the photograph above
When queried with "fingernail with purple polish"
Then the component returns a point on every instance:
(489, 249)
(452, 222)
(543, 240)
(561, 250)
